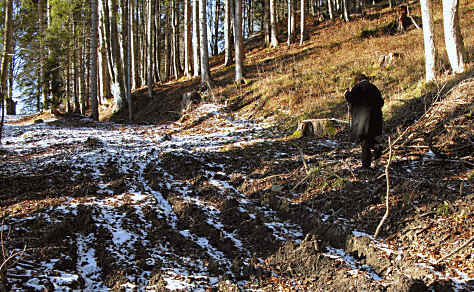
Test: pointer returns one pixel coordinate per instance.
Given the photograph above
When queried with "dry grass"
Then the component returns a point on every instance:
(308, 81)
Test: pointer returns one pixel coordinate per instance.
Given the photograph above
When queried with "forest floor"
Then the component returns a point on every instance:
(228, 197)
(223, 202)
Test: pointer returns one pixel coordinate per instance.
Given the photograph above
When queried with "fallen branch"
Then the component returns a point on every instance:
(7, 258)
(387, 209)
(302, 181)
(455, 251)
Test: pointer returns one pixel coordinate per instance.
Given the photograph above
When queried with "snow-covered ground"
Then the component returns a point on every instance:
(131, 148)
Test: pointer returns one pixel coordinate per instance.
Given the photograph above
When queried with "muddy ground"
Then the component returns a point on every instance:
(222, 202)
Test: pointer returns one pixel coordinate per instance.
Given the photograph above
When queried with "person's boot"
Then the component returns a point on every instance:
(366, 155)
(377, 152)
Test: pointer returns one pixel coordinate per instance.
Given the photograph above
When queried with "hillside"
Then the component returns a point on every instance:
(221, 199)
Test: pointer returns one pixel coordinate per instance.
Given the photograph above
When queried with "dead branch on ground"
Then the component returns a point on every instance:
(455, 251)
(387, 209)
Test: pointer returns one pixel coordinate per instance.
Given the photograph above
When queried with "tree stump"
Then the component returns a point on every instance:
(319, 127)
(404, 19)
(386, 60)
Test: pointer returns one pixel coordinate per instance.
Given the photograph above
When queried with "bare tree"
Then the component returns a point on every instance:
(452, 35)
(428, 37)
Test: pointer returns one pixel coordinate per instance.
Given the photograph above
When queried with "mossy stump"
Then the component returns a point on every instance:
(319, 127)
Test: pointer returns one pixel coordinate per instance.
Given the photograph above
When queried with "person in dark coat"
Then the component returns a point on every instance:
(365, 103)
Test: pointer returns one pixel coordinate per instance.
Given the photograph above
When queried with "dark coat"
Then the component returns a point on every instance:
(366, 103)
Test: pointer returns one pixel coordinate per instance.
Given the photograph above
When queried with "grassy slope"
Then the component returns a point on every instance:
(308, 81)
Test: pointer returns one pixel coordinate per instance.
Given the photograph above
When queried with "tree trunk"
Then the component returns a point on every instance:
(93, 61)
(215, 47)
(291, 22)
(239, 54)
(167, 46)
(75, 67)
(156, 43)
(118, 87)
(42, 81)
(345, 7)
(428, 37)
(126, 55)
(330, 9)
(133, 45)
(106, 39)
(149, 48)
(187, 39)
(250, 17)
(82, 79)
(452, 36)
(174, 41)
(302, 19)
(174, 69)
(266, 22)
(103, 60)
(68, 83)
(7, 40)
(196, 41)
(204, 42)
(7, 48)
(273, 24)
(227, 36)
(38, 90)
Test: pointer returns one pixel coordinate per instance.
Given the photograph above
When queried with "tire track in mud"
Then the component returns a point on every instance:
(119, 221)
